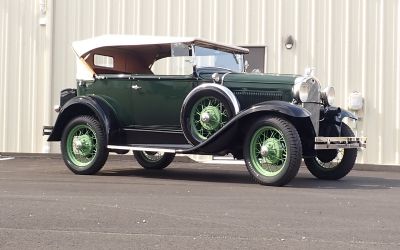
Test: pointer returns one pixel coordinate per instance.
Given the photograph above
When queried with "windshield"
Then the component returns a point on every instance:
(206, 57)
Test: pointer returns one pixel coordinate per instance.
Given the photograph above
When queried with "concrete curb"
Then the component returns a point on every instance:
(129, 157)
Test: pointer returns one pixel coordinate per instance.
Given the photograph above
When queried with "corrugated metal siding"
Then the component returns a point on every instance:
(22, 52)
(352, 43)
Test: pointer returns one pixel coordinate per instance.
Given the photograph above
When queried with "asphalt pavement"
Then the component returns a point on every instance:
(192, 206)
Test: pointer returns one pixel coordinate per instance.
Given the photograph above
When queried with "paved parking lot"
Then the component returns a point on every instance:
(191, 205)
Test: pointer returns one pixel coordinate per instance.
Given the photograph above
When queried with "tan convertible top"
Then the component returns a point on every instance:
(132, 53)
(84, 47)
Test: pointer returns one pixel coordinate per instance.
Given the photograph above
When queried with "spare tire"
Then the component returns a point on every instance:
(205, 110)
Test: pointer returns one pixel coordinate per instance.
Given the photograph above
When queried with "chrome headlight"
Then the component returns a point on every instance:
(300, 91)
(216, 78)
(328, 95)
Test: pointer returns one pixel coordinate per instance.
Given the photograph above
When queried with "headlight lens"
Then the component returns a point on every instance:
(328, 95)
(216, 77)
(300, 91)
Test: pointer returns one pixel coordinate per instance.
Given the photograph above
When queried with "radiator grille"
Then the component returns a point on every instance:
(248, 98)
(313, 103)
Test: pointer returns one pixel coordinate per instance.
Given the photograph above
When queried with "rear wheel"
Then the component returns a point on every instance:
(84, 145)
(333, 164)
(272, 151)
(153, 160)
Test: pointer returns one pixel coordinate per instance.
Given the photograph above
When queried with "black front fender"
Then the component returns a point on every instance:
(85, 105)
(280, 107)
(332, 119)
(298, 116)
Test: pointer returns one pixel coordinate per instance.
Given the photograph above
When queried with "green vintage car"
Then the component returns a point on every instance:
(158, 96)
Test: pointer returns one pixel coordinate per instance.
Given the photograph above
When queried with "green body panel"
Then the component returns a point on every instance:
(261, 78)
(159, 100)
(281, 84)
(116, 92)
(156, 101)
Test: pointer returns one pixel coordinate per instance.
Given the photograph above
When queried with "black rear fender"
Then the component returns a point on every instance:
(85, 105)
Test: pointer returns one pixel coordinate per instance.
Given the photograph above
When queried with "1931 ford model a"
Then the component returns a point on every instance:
(158, 96)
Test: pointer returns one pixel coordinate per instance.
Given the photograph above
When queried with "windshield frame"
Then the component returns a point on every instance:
(239, 61)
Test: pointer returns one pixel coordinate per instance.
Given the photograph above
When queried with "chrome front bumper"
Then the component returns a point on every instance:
(339, 142)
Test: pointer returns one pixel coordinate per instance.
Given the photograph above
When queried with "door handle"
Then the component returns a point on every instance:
(136, 87)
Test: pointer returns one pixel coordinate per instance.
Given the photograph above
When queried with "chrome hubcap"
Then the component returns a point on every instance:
(82, 145)
(205, 117)
(210, 118)
(264, 151)
(271, 150)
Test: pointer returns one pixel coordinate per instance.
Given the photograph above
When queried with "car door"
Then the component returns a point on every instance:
(157, 100)
(116, 91)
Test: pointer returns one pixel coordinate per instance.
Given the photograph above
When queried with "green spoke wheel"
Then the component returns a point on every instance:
(84, 145)
(333, 164)
(268, 151)
(272, 151)
(208, 116)
(205, 112)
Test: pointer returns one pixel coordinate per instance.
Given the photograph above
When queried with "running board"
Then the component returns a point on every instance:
(340, 142)
(321, 143)
(165, 148)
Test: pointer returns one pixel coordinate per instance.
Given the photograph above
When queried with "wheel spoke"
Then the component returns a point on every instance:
(274, 159)
(216, 113)
(84, 152)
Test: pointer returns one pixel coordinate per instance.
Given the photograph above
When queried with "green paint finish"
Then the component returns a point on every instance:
(274, 151)
(277, 84)
(116, 92)
(143, 100)
(159, 99)
(273, 84)
(81, 145)
(261, 78)
(154, 100)
(268, 151)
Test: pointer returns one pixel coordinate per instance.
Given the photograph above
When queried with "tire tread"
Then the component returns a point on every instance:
(343, 168)
(161, 164)
(102, 153)
(293, 143)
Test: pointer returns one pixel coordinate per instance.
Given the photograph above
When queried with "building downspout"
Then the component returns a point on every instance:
(46, 22)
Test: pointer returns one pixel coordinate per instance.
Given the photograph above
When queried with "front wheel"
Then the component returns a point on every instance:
(272, 151)
(84, 145)
(333, 164)
(153, 160)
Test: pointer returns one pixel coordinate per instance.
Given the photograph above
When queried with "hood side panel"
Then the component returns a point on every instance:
(251, 89)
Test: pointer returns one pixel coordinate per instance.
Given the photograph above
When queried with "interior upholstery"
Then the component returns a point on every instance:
(129, 60)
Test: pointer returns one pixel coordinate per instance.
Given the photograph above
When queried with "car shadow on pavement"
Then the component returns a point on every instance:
(187, 174)
(303, 179)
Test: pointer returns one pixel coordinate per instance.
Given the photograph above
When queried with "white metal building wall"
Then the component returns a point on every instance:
(24, 104)
(354, 45)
